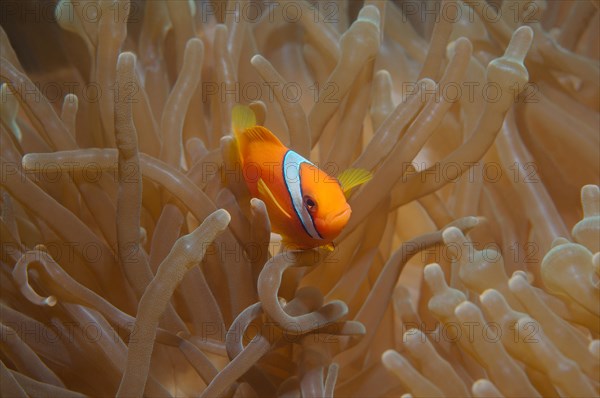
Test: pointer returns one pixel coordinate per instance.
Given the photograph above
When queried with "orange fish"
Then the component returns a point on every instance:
(306, 206)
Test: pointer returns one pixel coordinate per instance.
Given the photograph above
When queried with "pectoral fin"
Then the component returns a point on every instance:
(270, 199)
(352, 178)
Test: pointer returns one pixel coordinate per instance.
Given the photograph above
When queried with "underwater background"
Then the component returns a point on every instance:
(133, 260)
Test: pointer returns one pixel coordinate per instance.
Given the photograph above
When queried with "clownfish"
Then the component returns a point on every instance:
(306, 206)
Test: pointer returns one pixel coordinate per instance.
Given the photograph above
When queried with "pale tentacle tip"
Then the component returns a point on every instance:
(434, 276)
(413, 336)
(594, 348)
(590, 199)
(492, 298)
(519, 44)
(50, 301)
(223, 216)
(370, 14)
(257, 59)
(559, 241)
(391, 359)
(517, 282)
(453, 235)
(466, 309)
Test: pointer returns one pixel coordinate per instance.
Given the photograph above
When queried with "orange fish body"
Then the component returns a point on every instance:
(305, 205)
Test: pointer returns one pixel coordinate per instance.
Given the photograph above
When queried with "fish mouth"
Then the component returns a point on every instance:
(331, 226)
(340, 217)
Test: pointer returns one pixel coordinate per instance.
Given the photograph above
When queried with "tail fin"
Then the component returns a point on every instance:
(242, 118)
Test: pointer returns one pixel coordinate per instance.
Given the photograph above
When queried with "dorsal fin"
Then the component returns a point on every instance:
(260, 133)
(242, 118)
(351, 178)
(243, 122)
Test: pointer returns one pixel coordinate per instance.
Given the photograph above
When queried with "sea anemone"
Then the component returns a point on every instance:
(134, 261)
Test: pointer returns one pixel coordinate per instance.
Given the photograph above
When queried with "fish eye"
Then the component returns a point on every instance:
(310, 203)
